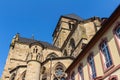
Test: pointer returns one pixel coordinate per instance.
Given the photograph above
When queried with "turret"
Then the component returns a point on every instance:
(34, 62)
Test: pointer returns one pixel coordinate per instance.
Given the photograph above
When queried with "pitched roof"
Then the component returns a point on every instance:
(30, 41)
(74, 16)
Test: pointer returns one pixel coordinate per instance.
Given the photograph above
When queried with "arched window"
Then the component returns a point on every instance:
(71, 26)
(72, 45)
(23, 76)
(80, 71)
(13, 76)
(116, 33)
(35, 50)
(73, 76)
(91, 67)
(113, 77)
(51, 55)
(44, 76)
(55, 79)
(62, 78)
(105, 53)
(59, 71)
(39, 57)
(65, 53)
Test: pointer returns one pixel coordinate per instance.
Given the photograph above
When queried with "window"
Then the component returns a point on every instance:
(13, 76)
(72, 45)
(59, 73)
(65, 53)
(35, 50)
(44, 76)
(38, 57)
(52, 55)
(73, 76)
(117, 31)
(107, 61)
(55, 79)
(23, 75)
(59, 70)
(113, 77)
(80, 70)
(71, 26)
(91, 66)
(62, 78)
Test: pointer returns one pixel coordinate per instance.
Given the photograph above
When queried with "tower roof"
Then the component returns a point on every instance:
(69, 16)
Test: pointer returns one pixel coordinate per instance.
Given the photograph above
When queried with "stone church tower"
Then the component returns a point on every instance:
(30, 59)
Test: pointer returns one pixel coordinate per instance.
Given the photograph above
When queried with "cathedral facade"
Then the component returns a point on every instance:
(79, 51)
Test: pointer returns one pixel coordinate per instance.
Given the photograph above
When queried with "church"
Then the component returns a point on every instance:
(82, 50)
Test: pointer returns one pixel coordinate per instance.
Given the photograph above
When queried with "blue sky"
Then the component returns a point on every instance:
(39, 17)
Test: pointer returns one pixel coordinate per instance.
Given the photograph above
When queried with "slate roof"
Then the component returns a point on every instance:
(30, 41)
(74, 16)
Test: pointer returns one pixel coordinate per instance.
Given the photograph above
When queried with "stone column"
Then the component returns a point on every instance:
(33, 70)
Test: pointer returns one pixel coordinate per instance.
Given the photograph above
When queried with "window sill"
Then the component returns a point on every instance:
(106, 70)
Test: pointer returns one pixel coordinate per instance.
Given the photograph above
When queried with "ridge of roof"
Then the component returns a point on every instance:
(30, 41)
